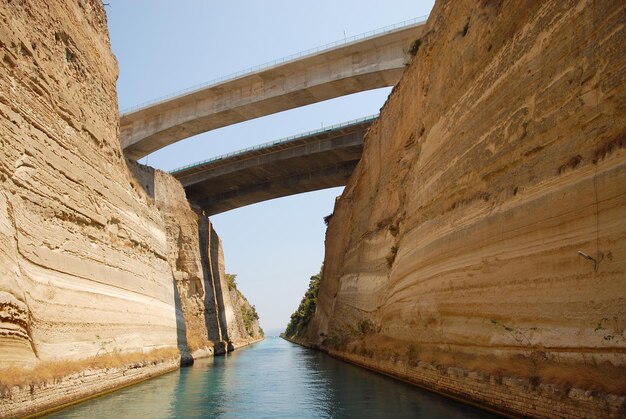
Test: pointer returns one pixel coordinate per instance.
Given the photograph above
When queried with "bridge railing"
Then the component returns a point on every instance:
(270, 64)
(277, 142)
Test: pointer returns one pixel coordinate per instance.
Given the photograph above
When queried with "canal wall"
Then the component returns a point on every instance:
(50, 396)
(494, 392)
(101, 259)
(484, 228)
(501, 394)
(213, 310)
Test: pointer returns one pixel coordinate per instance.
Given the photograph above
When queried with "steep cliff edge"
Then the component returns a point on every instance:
(101, 266)
(86, 270)
(480, 246)
(213, 310)
(247, 319)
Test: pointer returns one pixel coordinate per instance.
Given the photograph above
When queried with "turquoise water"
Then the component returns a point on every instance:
(272, 379)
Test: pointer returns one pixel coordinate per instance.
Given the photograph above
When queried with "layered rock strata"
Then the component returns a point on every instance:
(95, 259)
(212, 312)
(485, 225)
(46, 397)
(84, 266)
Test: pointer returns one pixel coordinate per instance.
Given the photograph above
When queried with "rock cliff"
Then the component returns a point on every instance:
(95, 258)
(484, 229)
(213, 311)
(86, 265)
(246, 321)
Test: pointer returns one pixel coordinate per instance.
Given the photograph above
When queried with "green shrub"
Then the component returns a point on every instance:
(335, 341)
(413, 355)
(366, 327)
(231, 280)
(303, 314)
(415, 46)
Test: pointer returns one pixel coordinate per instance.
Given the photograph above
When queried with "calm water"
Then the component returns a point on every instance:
(272, 379)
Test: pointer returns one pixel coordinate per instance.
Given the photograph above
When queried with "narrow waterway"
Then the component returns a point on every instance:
(272, 379)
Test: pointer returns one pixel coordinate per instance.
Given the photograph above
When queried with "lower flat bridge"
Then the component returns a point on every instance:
(307, 162)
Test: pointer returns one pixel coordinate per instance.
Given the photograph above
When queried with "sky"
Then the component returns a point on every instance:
(163, 46)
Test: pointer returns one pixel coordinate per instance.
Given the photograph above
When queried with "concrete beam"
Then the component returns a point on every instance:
(313, 180)
(365, 64)
(318, 160)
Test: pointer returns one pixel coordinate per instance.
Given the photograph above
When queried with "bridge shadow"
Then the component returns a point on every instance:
(210, 241)
(181, 330)
(214, 316)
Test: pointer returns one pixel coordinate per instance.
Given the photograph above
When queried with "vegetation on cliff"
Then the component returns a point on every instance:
(300, 318)
(249, 317)
(248, 311)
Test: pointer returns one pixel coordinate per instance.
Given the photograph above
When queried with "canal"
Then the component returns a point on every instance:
(272, 379)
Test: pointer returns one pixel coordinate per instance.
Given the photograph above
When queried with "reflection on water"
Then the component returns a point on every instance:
(272, 379)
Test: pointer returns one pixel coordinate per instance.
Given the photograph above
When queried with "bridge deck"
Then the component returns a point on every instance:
(317, 160)
(366, 63)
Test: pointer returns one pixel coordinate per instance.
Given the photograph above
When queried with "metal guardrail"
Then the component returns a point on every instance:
(267, 65)
(276, 142)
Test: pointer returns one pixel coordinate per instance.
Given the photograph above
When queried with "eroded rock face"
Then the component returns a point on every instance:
(93, 258)
(210, 314)
(233, 305)
(246, 327)
(86, 255)
(498, 157)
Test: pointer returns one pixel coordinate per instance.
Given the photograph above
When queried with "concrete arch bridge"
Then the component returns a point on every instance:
(369, 61)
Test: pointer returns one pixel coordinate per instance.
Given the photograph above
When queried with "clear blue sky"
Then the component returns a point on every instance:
(163, 46)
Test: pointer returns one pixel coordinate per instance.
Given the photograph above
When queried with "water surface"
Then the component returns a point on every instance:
(272, 379)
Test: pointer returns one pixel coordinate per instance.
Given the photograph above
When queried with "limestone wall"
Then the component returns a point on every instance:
(247, 328)
(20, 402)
(210, 312)
(84, 266)
(94, 258)
(504, 394)
(497, 159)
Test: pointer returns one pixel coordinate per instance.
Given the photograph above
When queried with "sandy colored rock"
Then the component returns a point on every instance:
(246, 328)
(86, 254)
(497, 159)
(234, 305)
(94, 258)
(211, 313)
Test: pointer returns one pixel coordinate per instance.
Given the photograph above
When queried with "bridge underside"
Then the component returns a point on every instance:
(312, 180)
(323, 160)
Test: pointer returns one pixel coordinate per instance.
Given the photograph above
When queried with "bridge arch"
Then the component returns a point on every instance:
(367, 62)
